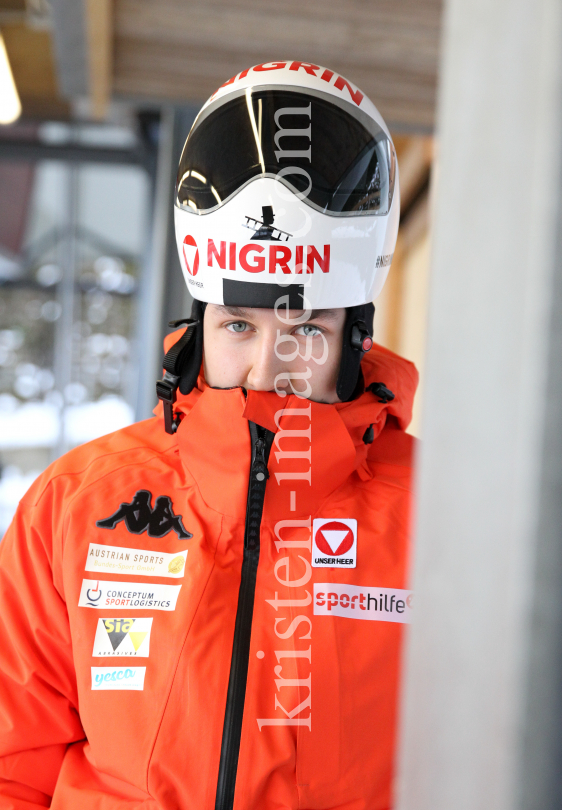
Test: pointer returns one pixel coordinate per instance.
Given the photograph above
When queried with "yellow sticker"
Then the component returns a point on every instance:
(176, 565)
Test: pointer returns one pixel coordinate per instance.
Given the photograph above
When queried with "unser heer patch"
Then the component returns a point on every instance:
(334, 543)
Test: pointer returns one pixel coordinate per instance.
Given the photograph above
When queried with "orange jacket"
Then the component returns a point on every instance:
(159, 647)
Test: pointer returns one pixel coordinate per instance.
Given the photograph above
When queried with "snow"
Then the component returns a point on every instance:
(86, 422)
(13, 486)
(39, 424)
(33, 424)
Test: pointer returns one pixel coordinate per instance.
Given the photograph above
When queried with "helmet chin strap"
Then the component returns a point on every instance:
(192, 366)
(357, 339)
(182, 362)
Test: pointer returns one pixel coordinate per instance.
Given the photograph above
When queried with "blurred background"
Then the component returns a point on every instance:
(96, 100)
(104, 94)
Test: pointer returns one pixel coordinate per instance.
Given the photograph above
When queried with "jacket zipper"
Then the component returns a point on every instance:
(232, 729)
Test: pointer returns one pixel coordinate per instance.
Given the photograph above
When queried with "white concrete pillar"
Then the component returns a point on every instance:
(482, 714)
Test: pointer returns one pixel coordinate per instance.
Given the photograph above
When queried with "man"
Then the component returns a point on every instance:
(205, 610)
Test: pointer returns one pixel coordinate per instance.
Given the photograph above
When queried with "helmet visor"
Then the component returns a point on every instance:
(339, 162)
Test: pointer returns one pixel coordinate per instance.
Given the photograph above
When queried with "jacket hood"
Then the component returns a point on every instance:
(212, 417)
(380, 365)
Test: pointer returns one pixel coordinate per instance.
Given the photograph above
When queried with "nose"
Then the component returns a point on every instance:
(265, 365)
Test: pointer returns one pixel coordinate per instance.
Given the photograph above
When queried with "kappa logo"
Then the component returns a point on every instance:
(140, 517)
(191, 255)
(334, 543)
(117, 636)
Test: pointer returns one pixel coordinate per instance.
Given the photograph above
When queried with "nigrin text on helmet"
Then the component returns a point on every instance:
(256, 258)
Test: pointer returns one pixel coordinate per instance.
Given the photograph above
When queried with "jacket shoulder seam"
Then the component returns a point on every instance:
(70, 473)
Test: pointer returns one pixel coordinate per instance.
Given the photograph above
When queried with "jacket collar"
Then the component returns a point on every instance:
(325, 447)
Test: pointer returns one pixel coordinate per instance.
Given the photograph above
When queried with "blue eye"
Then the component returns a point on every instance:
(308, 331)
(239, 326)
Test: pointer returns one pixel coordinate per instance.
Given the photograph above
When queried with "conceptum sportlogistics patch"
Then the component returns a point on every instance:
(334, 543)
(103, 559)
(370, 604)
(126, 595)
(118, 678)
(117, 636)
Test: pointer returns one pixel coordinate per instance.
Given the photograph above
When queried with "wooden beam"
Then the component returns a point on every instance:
(83, 37)
(32, 62)
(99, 19)
(182, 50)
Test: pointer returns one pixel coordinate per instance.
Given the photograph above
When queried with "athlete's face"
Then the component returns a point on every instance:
(262, 350)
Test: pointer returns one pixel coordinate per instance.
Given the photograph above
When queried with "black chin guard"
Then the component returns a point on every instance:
(357, 339)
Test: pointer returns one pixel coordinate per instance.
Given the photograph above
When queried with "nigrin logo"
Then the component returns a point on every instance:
(316, 71)
(191, 255)
(256, 258)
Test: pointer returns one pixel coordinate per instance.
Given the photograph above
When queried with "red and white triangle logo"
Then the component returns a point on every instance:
(191, 255)
(334, 539)
(334, 543)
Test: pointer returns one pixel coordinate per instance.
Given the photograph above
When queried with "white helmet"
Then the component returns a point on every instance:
(287, 185)
(287, 192)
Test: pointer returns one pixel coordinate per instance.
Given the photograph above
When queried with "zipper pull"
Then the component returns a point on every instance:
(259, 467)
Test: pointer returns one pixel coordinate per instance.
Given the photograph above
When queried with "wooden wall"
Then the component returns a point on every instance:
(184, 49)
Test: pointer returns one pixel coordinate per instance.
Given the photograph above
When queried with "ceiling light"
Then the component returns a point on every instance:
(10, 105)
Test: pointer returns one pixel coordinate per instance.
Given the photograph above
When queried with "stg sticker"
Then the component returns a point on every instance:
(120, 560)
(122, 637)
(127, 595)
(118, 678)
(354, 602)
(334, 543)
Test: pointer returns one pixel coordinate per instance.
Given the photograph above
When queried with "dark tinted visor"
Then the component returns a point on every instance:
(339, 162)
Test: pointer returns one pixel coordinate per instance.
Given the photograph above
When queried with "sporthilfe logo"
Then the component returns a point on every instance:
(334, 543)
(191, 255)
(359, 602)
